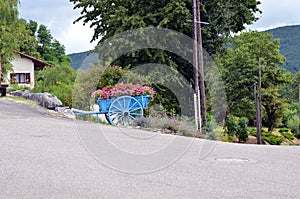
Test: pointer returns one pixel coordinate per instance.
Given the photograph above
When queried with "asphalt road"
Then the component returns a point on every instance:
(42, 156)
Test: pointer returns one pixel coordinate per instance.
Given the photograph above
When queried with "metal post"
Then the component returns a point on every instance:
(201, 67)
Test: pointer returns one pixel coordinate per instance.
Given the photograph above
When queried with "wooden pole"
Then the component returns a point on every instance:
(259, 121)
(196, 69)
(201, 67)
(257, 116)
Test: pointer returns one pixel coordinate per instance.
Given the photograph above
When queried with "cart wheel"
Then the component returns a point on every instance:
(124, 110)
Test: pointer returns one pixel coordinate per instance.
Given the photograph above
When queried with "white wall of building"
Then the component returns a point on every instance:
(23, 65)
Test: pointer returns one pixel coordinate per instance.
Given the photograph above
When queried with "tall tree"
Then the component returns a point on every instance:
(44, 38)
(239, 66)
(8, 39)
(112, 17)
(28, 42)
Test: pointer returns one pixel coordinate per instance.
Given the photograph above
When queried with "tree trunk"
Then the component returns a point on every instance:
(271, 119)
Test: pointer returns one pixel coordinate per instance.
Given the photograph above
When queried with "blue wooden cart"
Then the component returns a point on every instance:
(123, 110)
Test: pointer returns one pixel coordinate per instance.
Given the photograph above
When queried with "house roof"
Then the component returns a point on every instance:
(38, 64)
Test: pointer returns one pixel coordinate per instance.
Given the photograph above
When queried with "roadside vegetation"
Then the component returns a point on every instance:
(237, 56)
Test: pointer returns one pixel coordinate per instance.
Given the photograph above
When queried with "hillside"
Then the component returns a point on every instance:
(77, 59)
(83, 60)
(289, 45)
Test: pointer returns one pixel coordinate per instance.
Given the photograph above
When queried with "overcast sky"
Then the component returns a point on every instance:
(58, 16)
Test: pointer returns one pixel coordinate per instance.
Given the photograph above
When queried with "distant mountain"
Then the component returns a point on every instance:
(83, 60)
(289, 45)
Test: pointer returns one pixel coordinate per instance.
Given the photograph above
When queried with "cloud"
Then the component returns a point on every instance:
(77, 38)
(277, 13)
(58, 16)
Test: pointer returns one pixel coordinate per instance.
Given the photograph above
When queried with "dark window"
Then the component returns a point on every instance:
(20, 78)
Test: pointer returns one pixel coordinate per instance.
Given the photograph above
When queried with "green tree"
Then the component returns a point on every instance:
(44, 38)
(111, 17)
(27, 42)
(239, 66)
(8, 29)
(57, 80)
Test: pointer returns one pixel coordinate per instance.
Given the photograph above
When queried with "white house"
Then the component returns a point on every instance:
(23, 69)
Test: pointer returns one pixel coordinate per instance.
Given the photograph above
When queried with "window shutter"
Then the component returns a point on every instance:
(13, 78)
(27, 78)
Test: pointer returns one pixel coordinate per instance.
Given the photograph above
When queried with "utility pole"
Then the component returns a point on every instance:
(201, 67)
(196, 69)
(258, 130)
(259, 109)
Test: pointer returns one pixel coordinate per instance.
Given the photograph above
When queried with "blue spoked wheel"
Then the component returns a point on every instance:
(124, 110)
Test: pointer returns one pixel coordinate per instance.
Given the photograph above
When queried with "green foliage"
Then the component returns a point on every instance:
(85, 83)
(294, 125)
(242, 133)
(108, 18)
(57, 80)
(253, 131)
(283, 130)
(28, 42)
(212, 131)
(239, 68)
(15, 87)
(111, 76)
(9, 33)
(288, 135)
(235, 126)
(272, 139)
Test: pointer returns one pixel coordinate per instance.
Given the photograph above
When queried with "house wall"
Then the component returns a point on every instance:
(23, 65)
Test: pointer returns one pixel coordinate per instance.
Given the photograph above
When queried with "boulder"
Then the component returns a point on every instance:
(26, 94)
(17, 93)
(65, 111)
(50, 101)
(37, 97)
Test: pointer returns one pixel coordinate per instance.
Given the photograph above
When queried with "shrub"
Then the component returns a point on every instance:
(288, 135)
(235, 126)
(253, 131)
(143, 122)
(282, 130)
(272, 139)
(242, 132)
(172, 125)
(15, 87)
(294, 125)
(111, 76)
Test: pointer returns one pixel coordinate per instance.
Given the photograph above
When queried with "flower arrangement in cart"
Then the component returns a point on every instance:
(118, 90)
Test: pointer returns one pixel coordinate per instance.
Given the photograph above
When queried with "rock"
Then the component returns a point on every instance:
(44, 99)
(26, 94)
(65, 111)
(251, 140)
(17, 93)
(37, 97)
(50, 101)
